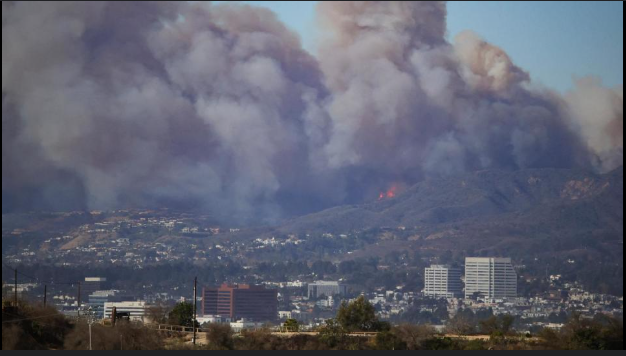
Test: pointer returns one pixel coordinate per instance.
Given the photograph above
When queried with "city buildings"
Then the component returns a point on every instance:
(490, 278)
(255, 303)
(328, 289)
(442, 281)
(98, 298)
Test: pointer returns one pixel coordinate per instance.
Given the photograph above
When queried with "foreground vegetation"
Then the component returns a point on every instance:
(33, 327)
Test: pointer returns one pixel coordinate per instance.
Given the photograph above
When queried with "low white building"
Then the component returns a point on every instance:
(213, 319)
(329, 302)
(240, 325)
(284, 314)
(136, 310)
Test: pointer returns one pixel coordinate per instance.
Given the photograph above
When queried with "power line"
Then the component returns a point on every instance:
(52, 282)
(33, 318)
(38, 322)
(39, 281)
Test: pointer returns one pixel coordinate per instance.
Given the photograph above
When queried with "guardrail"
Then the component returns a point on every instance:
(177, 328)
(279, 331)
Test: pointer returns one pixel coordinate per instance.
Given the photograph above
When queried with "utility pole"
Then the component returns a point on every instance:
(78, 312)
(90, 320)
(45, 294)
(15, 291)
(195, 301)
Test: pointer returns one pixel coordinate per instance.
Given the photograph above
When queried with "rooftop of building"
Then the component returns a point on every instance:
(442, 267)
(239, 286)
(488, 259)
(326, 283)
(95, 279)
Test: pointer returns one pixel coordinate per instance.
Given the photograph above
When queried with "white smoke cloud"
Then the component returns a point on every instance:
(400, 90)
(485, 67)
(195, 105)
(597, 114)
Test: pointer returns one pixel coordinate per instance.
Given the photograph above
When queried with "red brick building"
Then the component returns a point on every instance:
(241, 302)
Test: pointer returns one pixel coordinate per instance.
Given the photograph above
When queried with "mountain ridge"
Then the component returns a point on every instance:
(484, 194)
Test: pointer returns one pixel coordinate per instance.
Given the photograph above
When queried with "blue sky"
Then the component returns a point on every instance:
(554, 41)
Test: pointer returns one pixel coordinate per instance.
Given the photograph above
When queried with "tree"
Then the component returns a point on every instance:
(220, 336)
(475, 345)
(261, 339)
(613, 335)
(32, 327)
(127, 336)
(445, 343)
(359, 315)
(332, 334)
(489, 326)
(441, 313)
(584, 334)
(558, 318)
(497, 326)
(291, 325)
(461, 324)
(414, 335)
(182, 314)
(506, 323)
(387, 340)
(157, 314)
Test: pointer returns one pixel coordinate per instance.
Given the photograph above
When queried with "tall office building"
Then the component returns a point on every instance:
(241, 302)
(490, 278)
(326, 289)
(91, 285)
(442, 281)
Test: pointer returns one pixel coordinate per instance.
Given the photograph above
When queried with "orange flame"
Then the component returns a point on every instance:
(391, 193)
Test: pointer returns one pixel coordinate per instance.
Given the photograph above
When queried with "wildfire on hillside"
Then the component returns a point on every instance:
(389, 194)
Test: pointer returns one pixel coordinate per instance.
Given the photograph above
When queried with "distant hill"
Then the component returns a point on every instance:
(545, 199)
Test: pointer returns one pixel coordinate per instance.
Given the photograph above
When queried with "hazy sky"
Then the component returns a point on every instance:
(552, 40)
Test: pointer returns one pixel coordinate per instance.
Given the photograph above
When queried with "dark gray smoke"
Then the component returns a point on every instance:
(218, 107)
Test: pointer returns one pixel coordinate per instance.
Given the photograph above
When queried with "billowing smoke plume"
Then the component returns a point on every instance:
(597, 115)
(110, 104)
(406, 101)
(154, 103)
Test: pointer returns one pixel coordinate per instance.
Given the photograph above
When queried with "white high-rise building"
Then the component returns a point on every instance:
(490, 278)
(442, 281)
